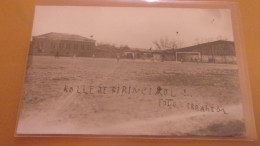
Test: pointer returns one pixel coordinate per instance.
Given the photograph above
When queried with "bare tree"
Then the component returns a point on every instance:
(164, 43)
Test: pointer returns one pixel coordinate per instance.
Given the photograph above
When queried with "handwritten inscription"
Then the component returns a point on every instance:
(167, 103)
(205, 108)
(122, 90)
(167, 97)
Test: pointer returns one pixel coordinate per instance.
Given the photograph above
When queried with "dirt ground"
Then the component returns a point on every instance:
(131, 97)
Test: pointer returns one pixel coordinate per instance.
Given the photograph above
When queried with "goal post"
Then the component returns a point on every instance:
(187, 53)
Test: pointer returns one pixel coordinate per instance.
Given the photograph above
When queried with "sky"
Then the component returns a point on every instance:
(136, 27)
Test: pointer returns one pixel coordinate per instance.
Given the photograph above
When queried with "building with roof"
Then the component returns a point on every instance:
(62, 44)
(220, 51)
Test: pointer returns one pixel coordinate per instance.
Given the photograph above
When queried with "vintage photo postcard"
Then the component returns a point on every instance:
(133, 71)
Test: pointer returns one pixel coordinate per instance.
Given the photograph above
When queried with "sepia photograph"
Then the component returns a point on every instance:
(132, 71)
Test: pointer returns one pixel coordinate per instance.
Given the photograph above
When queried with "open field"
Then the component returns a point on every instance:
(130, 97)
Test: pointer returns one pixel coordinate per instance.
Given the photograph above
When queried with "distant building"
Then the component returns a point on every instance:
(129, 55)
(214, 52)
(61, 44)
(157, 57)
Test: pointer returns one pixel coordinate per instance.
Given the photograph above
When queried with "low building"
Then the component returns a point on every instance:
(214, 52)
(62, 44)
(129, 55)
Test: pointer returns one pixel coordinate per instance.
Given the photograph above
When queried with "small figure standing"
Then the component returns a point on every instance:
(117, 57)
(57, 55)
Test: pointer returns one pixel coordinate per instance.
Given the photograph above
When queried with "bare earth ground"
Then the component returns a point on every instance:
(179, 109)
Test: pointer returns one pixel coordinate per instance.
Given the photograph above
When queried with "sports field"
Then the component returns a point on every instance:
(130, 97)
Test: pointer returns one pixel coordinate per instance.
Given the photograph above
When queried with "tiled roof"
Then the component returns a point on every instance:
(206, 44)
(63, 36)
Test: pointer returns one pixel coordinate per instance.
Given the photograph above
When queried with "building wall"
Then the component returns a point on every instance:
(50, 47)
(218, 59)
(207, 58)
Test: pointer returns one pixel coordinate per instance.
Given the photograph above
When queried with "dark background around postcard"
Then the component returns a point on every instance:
(15, 27)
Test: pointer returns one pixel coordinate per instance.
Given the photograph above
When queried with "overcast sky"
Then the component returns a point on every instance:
(134, 26)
